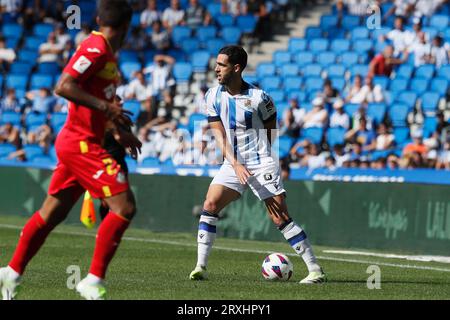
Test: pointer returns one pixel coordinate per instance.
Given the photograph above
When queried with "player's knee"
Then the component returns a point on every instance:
(128, 211)
(210, 206)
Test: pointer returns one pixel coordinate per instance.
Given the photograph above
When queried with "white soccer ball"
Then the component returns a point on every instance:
(277, 266)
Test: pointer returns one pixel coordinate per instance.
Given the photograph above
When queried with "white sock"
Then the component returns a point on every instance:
(13, 274)
(206, 237)
(93, 279)
(299, 242)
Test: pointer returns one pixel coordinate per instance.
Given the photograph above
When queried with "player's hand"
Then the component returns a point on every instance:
(118, 115)
(242, 173)
(130, 142)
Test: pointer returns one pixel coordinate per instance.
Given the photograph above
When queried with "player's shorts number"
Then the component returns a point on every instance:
(109, 169)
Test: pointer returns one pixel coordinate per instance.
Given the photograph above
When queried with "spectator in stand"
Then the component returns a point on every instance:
(62, 37)
(42, 100)
(82, 34)
(137, 40)
(160, 37)
(233, 7)
(51, 50)
(383, 141)
(392, 162)
(173, 15)
(138, 88)
(427, 7)
(357, 7)
(195, 14)
(431, 159)
(421, 50)
(61, 105)
(7, 55)
(122, 87)
(399, 37)
(355, 89)
(67, 53)
(443, 161)
(440, 52)
(10, 134)
(329, 92)
(42, 136)
(258, 9)
(339, 155)
(414, 36)
(401, 8)
(293, 119)
(313, 158)
(362, 113)
(362, 135)
(10, 9)
(150, 14)
(55, 12)
(416, 146)
(318, 116)
(368, 93)
(10, 102)
(383, 63)
(339, 119)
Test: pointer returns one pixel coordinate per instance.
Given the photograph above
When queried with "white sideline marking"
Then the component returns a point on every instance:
(194, 245)
(421, 258)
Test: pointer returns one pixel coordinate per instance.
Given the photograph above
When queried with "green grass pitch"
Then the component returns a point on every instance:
(156, 266)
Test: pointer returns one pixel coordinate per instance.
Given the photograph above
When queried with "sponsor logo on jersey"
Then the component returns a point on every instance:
(121, 177)
(201, 235)
(98, 174)
(93, 50)
(82, 64)
(267, 176)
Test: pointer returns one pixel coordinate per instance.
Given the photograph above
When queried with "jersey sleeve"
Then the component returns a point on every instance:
(211, 110)
(266, 108)
(86, 61)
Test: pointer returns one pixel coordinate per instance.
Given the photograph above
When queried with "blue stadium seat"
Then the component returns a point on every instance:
(398, 113)
(304, 58)
(57, 120)
(39, 80)
(439, 85)
(405, 71)
(33, 119)
(361, 69)
(179, 33)
(351, 108)
(225, 20)
(328, 22)
(313, 33)
(440, 22)
(284, 146)
(214, 9)
(17, 81)
(335, 70)
(42, 160)
(182, 71)
(281, 57)
(407, 97)
(128, 68)
(12, 30)
(134, 106)
(359, 33)
(335, 136)
(231, 35)
(11, 117)
(349, 59)
(326, 58)
(205, 33)
(265, 69)
(401, 135)
(195, 121)
(270, 82)
(128, 56)
(281, 109)
(293, 82)
(277, 95)
(42, 29)
(362, 45)
(338, 83)
(430, 31)
(418, 85)
(340, 45)
(28, 56)
(313, 134)
(444, 72)
(429, 126)
(21, 68)
(252, 79)
(398, 85)
(32, 150)
(425, 71)
(6, 149)
(48, 68)
(214, 45)
(150, 162)
(246, 23)
(350, 22)
(376, 33)
(336, 33)
(429, 102)
(189, 45)
(200, 60)
(313, 83)
(289, 69)
(318, 45)
(297, 44)
(376, 111)
(312, 70)
(382, 81)
(295, 93)
(33, 43)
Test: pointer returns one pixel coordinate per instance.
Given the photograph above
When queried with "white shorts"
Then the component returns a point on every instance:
(265, 182)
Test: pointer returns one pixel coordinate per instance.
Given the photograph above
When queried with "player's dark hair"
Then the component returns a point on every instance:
(236, 55)
(114, 13)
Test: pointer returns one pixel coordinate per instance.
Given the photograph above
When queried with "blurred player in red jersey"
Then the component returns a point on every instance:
(89, 83)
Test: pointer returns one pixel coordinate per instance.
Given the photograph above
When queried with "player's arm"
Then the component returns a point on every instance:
(127, 140)
(268, 114)
(220, 135)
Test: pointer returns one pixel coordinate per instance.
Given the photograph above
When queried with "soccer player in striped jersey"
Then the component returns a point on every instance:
(243, 120)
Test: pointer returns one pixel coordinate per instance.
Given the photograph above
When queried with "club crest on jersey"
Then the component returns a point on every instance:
(121, 177)
(248, 103)
(267, 176)
(82, 64)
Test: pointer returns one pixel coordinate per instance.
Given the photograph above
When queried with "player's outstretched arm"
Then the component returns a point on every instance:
(219, 133)
(127, 140)
(69, 88)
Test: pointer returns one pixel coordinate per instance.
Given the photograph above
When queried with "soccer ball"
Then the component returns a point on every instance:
(277, 266)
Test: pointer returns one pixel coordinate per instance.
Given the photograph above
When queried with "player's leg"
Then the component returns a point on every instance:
(217, 198)
(295, 235)
(53, 211)
(122, 208)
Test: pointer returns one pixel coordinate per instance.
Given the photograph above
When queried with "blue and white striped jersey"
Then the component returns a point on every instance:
(243, 117)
